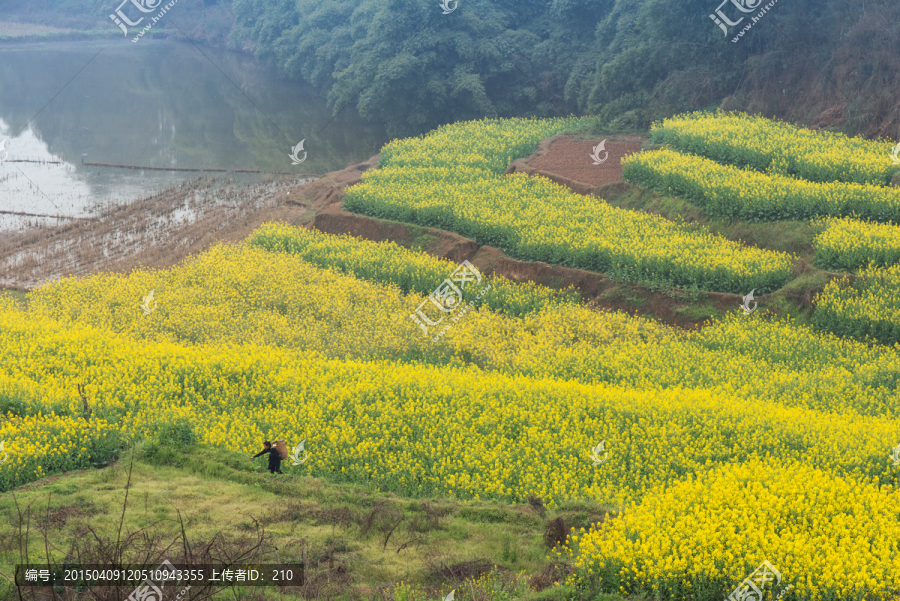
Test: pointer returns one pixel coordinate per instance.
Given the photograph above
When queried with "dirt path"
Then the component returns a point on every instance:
(152, 233)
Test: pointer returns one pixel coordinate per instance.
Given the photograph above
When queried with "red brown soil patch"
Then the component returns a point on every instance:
(567, 161)
(553, 572)
(445, 244)
(462, 570)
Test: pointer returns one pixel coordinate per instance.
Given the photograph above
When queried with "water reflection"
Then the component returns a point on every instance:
(155, 104)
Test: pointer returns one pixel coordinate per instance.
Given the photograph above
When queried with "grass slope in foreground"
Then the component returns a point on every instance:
(359, 543)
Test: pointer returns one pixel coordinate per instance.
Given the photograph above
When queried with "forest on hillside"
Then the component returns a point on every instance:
(409, 66)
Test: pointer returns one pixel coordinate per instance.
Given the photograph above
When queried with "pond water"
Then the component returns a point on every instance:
(155, 103)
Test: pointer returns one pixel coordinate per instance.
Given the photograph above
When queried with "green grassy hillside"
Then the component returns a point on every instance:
(359, 543)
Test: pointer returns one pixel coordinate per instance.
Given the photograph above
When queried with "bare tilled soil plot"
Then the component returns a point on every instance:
(567, 161)
(162, 230)
(152, 232)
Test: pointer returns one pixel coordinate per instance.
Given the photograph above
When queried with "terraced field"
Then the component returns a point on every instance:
(754, 439)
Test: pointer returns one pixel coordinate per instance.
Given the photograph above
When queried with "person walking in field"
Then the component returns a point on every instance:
(274, 457)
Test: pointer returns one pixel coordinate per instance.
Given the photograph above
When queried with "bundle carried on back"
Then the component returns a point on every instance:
(281, 446)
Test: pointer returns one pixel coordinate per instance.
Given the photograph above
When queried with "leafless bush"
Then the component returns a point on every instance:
(463, 570)
(148, 546)
(557, 533)
(537, 503)
(554, 572)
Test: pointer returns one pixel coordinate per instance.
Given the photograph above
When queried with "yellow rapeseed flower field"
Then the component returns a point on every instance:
(853, 243)
(732, 192)
(456, 431)
(757, 169)
(766, 144)
(141, 386)
(776, 361)
(453, 179)
(830, 537)
(752, 439)
(39, 444)
(215, 298)
(389, 263)
(234, 294)
(867, 308)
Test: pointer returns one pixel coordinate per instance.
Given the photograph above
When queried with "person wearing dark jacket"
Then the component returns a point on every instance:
(274, 457)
